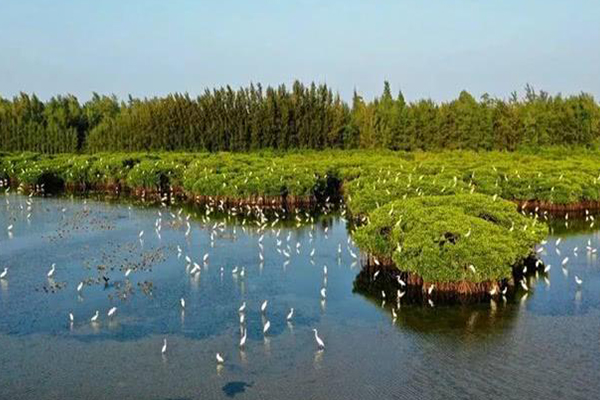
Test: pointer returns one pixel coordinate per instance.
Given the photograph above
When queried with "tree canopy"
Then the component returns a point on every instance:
(300, 117)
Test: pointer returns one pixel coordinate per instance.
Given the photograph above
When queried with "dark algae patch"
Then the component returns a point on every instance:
(234, 388)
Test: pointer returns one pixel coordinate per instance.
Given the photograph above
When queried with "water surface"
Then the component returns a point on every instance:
(545, 344)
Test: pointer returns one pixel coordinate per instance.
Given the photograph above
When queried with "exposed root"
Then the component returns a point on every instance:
(579, 207)
(414, 290)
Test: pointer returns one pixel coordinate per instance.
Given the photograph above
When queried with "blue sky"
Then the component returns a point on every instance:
(427, 48)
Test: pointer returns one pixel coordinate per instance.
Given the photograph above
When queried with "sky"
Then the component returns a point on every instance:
(426, 48)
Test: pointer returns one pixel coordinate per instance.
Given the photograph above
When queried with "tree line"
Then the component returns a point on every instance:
(300, 117)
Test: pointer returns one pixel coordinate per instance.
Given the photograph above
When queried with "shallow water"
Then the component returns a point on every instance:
(543, 345)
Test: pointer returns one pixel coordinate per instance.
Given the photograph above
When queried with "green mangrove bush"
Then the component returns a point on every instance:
(466, 237)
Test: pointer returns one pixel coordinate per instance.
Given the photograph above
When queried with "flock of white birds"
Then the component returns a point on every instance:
(249, 215)
(256, 215)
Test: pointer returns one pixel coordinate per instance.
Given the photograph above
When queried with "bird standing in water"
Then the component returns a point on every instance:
(95, 317)
(320, 342)
(52, 269)
(263, 307)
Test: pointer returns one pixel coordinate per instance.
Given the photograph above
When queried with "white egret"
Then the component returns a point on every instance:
(95, 317)
(242, 307)
(323, 293)
(182, 302)
(220, 359)
(266, 327)
(290, 315)
(524, 286)
(263, 307)
(71, 317)
(578, 280)
(52, 269)
(243, 338)
(320, 342)
(80, 286)
(4, 273)
(112, 311)
(164, 347)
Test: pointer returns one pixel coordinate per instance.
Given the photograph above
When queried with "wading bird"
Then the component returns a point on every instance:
(243, 338)
(319, 341)
(524, 285)
(52, 269)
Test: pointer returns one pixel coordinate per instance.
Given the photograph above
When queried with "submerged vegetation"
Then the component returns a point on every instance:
(300, 117)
